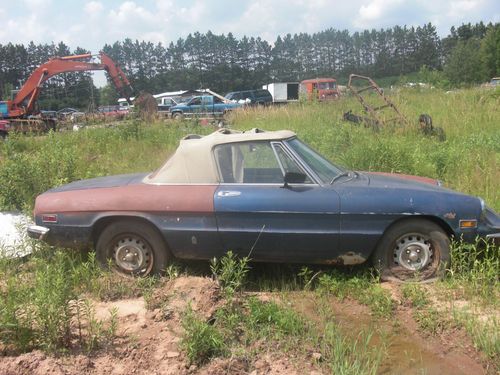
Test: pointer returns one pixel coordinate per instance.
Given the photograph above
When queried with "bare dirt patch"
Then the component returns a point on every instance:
(148, 341)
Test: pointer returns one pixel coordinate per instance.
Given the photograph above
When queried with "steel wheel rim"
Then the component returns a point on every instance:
(413, 252)
(133, 255)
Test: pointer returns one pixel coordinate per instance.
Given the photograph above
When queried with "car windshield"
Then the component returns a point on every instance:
(325, 170)
(327, 85)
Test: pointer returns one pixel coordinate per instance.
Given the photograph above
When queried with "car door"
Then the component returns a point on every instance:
(257, 216)
(195, 106)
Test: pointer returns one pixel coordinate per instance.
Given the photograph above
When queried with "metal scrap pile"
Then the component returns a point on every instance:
(380, 110)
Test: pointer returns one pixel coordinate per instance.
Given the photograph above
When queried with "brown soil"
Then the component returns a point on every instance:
(148, 341)
(148, 338)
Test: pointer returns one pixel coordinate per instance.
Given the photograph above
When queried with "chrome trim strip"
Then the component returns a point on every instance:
(493, 235)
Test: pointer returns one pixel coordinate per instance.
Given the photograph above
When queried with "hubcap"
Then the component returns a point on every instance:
(133, 255)
(413, 252)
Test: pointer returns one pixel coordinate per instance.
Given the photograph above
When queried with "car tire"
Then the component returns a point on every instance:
(412, 250)
(178, 116)
(132, 248)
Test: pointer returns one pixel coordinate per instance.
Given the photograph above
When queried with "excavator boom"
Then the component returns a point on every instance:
(24, 102)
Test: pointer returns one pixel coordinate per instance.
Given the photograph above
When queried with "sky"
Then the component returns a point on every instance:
(92, 23)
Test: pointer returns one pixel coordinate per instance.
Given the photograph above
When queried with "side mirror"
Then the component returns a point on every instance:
(294, 178)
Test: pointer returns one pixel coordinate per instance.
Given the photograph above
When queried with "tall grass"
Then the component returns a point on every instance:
(42, 299)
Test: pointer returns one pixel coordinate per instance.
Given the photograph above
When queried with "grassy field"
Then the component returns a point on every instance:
(298, 312)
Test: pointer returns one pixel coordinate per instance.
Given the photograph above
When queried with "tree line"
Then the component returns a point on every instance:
(469, 54)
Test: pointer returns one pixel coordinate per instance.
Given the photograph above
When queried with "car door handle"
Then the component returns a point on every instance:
(228, 193)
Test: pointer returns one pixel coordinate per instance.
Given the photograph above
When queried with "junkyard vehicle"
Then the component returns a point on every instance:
(283, 92)
(266, 195)
(320, 89)
(203, 106)
(253, 97)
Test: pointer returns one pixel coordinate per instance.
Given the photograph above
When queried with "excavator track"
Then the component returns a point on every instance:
(35, 126)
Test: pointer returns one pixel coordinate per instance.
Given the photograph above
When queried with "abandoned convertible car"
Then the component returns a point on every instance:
(267, 195)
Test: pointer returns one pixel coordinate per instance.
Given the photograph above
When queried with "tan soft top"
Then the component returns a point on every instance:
(193, 161)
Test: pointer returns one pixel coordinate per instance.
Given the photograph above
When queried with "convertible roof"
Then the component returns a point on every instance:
(193, 162)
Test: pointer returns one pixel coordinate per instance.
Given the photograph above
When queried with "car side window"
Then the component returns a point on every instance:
(288, 164)
(248, 162)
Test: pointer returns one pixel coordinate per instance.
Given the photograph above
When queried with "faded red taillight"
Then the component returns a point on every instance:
(49, 218)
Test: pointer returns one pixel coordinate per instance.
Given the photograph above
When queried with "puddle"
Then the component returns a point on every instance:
(407, 352)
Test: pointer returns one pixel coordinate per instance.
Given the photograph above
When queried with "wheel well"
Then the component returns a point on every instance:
(436, 220)
(102, 223)
(441, 223)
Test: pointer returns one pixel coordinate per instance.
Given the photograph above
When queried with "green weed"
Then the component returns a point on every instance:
(347, 356)
(432, 320)
(201, 340)
(230, 271)
(38, 303)
(361, 287)
(474, 271)
(415, 295)
(484, 333)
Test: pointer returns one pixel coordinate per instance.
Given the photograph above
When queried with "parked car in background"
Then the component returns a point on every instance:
(204, 106)
(48, 114)
(65, 113)
(266, 195)
(494, 82)
(321, 89)
(112, 111)
(109, 110)
(165, 105)
(253, 97)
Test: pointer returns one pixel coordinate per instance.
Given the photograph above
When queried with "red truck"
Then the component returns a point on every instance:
(320, 89)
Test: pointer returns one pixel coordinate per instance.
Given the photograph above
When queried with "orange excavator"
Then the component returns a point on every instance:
(14, 113)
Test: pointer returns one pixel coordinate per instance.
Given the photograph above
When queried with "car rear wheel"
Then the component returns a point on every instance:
(412, 250)
(132, 248)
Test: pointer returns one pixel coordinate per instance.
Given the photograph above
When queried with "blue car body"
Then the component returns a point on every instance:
(202, 206)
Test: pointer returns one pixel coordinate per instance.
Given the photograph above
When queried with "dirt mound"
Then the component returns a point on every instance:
(147, 341)
(146, 105)
(200, 293)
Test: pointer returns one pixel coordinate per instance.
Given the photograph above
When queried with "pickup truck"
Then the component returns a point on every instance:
(202, 106)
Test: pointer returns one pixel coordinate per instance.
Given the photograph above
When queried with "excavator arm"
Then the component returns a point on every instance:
(24, 102)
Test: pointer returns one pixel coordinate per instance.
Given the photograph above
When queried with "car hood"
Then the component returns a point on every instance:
(410, 177)
(397, 181)
(101, 182)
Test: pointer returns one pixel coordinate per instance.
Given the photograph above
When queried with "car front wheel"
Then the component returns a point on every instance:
(412, 250)
(132, 248)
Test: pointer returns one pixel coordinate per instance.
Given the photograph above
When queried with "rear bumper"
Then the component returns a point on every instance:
(37, 232)
(495, 237)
